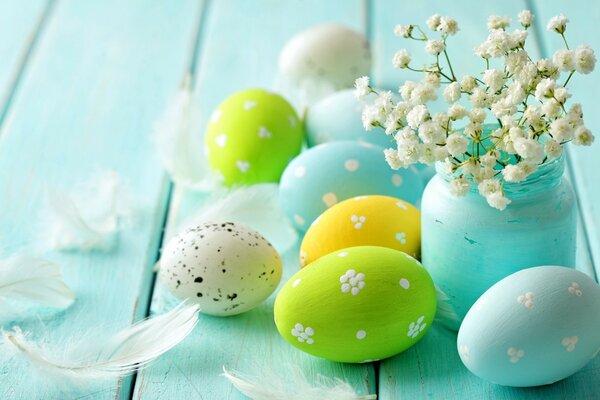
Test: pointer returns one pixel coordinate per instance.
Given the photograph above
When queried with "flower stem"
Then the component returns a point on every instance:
(565, 40)
(449, 65)
(568, 78)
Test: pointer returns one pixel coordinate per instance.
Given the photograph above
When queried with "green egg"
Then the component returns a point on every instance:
(356, 305)
(252, 136)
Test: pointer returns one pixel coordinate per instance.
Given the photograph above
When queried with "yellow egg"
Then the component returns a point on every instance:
(364, 221)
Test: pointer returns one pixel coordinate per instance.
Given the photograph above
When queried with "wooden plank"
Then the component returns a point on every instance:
(584, 161)
(240, 45)
(20, 27)
(97, 81)
(432, 369)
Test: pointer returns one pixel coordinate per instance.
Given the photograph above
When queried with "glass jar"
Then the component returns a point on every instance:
(467, 246)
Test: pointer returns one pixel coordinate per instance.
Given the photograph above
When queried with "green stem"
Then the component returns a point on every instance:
(448, 61)
(568, 78)
(565, 40)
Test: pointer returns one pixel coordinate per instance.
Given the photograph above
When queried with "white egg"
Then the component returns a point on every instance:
(534, 327)
(329, 52)
(227, 268)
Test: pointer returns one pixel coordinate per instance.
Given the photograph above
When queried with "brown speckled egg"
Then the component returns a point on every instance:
(226, 268)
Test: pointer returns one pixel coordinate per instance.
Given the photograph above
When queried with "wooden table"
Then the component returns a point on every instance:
(83, 82)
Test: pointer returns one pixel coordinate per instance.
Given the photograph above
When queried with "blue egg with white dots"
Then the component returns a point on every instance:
(329, 173)
(532, 328)
(339, 117)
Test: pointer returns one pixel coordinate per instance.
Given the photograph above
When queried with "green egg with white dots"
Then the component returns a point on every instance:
(251, 137)
(357, 305)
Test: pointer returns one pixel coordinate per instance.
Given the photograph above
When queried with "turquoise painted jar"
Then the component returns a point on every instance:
(467, 246)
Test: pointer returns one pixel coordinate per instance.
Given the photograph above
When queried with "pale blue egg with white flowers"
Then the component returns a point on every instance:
(339, 117)
(534, 327)
(329, 173)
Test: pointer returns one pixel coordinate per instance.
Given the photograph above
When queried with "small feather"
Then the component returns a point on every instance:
(179, 143)
(255, 206)
(303, 93)
(31, 280)
(294, 387)
(445, 313)
(88, 219)
(95, 359)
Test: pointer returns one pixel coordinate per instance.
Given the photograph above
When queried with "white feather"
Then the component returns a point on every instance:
(445, 311)
(90, 218)
(179, 142)
(255, 206)
(94, 359)
(294, 387)
(31, 280)
(303, 93)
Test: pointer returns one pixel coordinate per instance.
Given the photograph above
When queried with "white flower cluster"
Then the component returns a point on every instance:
(524, 97)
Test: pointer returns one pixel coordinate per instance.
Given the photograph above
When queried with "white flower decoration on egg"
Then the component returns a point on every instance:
(303, 334)
(569, 343)
(358, 221)
(465, 352)
(416, 327)
(401, 237)
(515, 354)
(352, 282)
(574, 289)
(526, 299)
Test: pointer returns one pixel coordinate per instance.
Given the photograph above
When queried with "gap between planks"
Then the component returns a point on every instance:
(144, 303)
(23, 61)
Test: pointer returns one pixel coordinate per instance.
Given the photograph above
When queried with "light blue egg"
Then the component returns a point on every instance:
(329, 173)
(534, 327)
(338, 117)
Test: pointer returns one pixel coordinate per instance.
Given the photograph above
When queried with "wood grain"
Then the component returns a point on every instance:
(432, 369)
(239, 49)
(99, 76)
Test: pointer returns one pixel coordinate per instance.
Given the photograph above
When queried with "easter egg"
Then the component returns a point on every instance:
(329, 52)
(534, 327)
(356, 305)
(329, 173)
(226, 268)
(339, 117)
(251, 137)
(364, 221)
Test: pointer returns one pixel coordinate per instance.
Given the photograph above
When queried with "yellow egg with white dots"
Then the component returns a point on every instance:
(364, 221)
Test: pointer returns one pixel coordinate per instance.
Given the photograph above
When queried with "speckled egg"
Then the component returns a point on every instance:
(329, 173)
(364, 221)
(339, 117)
(251, 137)
(356, 305)
(534, 327)
(329, 52)
(227, 268)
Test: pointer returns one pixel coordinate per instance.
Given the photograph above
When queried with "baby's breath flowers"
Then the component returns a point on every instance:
(526, 98)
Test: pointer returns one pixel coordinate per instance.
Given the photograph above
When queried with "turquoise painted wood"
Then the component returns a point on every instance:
(432, 369)
(84, 95)
(584, 161)
(20, 27)
(247, 48)
(91, 90)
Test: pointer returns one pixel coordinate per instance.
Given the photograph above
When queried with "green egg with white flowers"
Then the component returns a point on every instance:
(357, 304)
(251, 137)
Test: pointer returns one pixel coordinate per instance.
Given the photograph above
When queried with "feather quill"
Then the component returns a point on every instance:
(178, 142)
(296, 387)
(93, 359)
(88, 219)
(31, 280)
(255, 206)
